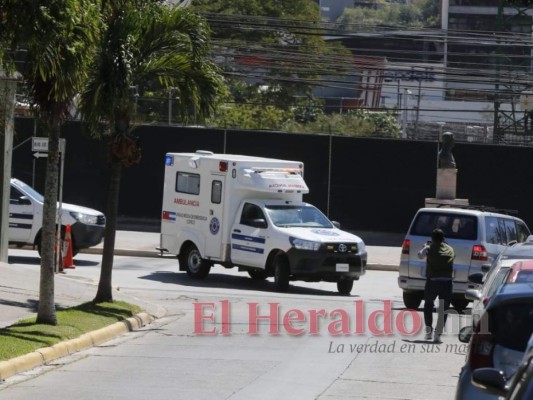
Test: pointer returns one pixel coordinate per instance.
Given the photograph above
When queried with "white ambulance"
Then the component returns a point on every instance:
(247, 212)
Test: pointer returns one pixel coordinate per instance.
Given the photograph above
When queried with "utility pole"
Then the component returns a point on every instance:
(511, 13)
(8, 88)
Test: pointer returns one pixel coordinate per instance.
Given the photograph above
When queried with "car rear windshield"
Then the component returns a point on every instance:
(454, 226)
(512, 324)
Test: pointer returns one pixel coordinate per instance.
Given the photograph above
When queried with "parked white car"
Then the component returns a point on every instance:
(26, 219)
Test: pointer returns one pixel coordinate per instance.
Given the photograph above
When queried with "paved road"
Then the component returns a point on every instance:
(168, 360)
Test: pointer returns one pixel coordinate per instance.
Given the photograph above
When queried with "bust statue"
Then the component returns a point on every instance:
(446, 159)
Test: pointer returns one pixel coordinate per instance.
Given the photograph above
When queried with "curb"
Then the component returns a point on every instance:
(45, 355)
(124, 252)
(382, 267)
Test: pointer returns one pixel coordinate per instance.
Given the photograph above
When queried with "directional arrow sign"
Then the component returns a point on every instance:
(39, 155)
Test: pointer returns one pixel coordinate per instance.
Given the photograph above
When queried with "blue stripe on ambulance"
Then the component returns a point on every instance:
(248, 248)
(246, 238)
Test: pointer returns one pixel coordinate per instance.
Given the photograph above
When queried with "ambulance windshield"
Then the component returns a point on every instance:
(294, 215)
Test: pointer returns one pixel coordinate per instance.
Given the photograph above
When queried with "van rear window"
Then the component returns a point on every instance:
(454, 226)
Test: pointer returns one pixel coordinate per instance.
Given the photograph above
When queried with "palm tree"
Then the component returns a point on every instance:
(142, 41)
(57, 35)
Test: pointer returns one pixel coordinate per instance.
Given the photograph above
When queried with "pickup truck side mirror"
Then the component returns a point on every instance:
(21, 201)
(258, 223)
(336, 224)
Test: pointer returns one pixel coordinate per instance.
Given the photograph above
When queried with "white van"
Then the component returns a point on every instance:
(244, 211)
(26, 219)
(477, 237)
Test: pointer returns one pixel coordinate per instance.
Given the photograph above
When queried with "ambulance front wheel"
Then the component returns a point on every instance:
(345, 286)
(281, 273)
(195, 266)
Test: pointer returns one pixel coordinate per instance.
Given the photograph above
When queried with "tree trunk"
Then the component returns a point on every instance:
(105, 293)
(46, 313)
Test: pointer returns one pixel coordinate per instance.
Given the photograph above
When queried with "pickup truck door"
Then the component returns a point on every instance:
(249, 237)
(20, 216)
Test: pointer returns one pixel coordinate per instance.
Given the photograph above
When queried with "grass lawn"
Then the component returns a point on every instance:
(26, 336)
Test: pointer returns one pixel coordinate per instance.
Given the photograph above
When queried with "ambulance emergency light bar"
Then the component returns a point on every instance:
(280, 180)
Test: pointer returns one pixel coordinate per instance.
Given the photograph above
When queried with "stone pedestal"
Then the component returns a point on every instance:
(446, 183)
(446, 190)
(437, 203)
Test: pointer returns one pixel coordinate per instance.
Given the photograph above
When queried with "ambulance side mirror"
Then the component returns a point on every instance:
(258, 223)
(336, 224)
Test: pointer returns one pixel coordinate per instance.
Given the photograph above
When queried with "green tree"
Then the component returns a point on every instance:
(353, 123)
(57, 36)
(142, 41)
(416, 14)
(276, 46)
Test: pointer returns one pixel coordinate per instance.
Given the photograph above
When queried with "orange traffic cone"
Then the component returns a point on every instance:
(68, 262)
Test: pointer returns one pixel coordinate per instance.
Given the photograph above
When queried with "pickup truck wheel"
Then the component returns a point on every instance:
(345, 286)
(412, 300)
(281, 273)
(195, 266)
(75, 250)
(460, 305)
(257, 274)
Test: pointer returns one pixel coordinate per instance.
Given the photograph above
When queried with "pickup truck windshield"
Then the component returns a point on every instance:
(293, 215)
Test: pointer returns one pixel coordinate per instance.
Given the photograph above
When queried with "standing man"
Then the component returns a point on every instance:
(439, 282)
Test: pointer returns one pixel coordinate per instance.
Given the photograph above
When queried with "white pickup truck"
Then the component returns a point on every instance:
(26, 219)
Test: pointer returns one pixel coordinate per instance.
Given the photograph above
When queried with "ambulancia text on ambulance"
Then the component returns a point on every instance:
(247, 212)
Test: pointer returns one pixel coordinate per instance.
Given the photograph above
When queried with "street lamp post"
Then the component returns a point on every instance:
(406, 92)
(171, 91)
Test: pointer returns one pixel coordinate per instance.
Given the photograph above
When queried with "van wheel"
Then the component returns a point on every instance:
(281, 273)
(412, 300)
(460, 305)
(345, 286)
(195, 266)
(257, 274)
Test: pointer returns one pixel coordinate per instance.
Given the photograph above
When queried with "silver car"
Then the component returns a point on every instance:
(499, 339)
(477, 237)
